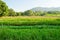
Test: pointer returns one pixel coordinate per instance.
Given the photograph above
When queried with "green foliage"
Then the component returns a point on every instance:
(29, 34)
(41, 13)
(5, 11)
(10, 28)
(18, 13)
(28, 13)
(30, 27)
(3, 8)
(29, 20)
(11, 12)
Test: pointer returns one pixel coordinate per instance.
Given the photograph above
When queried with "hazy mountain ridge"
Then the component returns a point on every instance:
(46, 9)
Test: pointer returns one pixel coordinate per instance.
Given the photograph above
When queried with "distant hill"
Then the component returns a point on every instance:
(46, 9)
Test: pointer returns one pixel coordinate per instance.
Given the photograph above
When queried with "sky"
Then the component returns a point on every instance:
(23, 5)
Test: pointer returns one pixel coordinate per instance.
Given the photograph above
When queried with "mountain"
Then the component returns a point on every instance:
(46, 9)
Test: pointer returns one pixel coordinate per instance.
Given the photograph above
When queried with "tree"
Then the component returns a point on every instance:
(39, 13)
(28, 13)
(3, 8)
(18, 13)
(11, 12)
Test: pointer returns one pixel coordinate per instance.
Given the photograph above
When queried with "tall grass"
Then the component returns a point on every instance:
(31, 27)
(29, 34)
(29, 20)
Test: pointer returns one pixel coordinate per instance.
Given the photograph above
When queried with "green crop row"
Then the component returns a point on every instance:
(29, 34)
(29, 21)
(31, 27)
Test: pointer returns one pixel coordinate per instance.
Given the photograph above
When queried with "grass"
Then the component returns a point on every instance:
(58, 14)
(30, 28)
(18, 21)
(29, 34)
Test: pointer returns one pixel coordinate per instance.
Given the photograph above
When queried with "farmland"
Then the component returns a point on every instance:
(30, 28)
(29, 34)
(29, 20)
(18, 21)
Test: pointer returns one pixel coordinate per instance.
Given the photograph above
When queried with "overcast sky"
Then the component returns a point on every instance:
(22, 5)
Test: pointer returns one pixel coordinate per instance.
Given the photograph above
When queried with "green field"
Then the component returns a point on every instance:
(25, 20)
(29, 34)
(30, 28)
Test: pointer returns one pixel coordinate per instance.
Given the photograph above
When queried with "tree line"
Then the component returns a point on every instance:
(5, 11)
